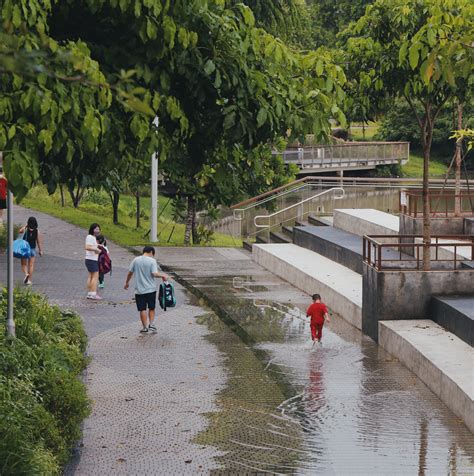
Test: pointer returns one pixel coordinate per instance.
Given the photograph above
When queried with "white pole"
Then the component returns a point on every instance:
(154, 193)
(10, 321)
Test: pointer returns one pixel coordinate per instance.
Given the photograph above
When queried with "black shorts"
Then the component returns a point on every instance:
(145, 300)
(3, 204)
(92, 265)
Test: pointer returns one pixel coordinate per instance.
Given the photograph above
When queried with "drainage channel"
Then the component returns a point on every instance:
(347, 407)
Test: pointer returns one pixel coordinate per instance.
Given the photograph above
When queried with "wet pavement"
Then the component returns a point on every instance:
(235, 386)
(347, 407)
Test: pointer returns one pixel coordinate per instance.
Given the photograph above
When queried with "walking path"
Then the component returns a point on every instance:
(150, 393)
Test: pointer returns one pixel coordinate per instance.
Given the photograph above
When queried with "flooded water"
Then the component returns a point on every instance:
(346, 407)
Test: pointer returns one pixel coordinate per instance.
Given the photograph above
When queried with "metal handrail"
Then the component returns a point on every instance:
(373, 250)
(295, 205)
(400, 182)
(239, 212)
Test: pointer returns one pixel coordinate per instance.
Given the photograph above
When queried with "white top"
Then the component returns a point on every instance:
(91, 241)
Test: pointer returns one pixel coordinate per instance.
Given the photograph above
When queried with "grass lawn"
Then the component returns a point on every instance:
(356, 131)
(414, 168)
(125, 232)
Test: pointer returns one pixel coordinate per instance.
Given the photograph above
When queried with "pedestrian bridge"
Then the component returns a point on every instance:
(346, 156)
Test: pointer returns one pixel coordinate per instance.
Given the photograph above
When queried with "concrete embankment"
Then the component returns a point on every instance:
(441, 360)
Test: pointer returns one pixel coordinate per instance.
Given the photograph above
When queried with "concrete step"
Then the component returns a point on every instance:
(440, 359)
(455, 314)
(288, 230)
(340, 287)
(366, 221)
(337, 245)
(279, 237)
(301, 223)
(261, 239)
(247, 245)
(468, 226)
(340, 246)
(320, 221)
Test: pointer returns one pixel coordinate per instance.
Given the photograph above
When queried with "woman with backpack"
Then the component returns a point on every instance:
(33, 237)
(92, 261)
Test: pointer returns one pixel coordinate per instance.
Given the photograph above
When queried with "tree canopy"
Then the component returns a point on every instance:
(421, 51)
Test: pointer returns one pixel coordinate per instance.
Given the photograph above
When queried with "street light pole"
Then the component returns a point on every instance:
(10, 321)
(154, 193)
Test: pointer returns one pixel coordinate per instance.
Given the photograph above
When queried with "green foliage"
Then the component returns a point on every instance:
(400, 124)
(42, 400)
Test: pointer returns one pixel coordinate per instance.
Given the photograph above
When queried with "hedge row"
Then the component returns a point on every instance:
(42, 399)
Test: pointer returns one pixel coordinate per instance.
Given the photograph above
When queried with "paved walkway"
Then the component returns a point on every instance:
(150, 393)
(242, 392)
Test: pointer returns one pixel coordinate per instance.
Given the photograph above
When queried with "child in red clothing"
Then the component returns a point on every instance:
(318, 313)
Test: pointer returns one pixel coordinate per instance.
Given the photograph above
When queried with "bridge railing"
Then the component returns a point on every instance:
(346, 155)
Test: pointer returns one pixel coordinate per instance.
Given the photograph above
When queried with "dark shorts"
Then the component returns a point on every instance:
(145, 300)
(3, 204)
(92, 266)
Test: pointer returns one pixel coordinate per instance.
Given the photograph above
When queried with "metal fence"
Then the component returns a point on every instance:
(442, 203)
(405, 252)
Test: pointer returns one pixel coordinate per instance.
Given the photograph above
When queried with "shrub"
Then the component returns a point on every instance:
(42, 400)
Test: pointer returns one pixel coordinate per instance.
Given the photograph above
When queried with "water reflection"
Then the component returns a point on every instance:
(347, 407)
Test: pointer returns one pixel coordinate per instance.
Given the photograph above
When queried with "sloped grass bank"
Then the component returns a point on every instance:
(96, 207)
(42, 400)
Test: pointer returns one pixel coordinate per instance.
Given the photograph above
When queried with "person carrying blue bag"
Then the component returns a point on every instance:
(25, 248)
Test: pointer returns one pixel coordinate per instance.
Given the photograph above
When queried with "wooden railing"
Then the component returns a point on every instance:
(442, 203)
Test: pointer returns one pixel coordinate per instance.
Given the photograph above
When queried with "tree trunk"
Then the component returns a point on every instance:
(427, 135)
(115, 204)
(189, 221)
(363, 129)
(76, 196)
(457, 192)
(61, 190)
(137, 201)
(194, 227)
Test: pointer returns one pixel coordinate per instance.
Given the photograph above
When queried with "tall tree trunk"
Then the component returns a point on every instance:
(137, 201)
(115, 204)
(194, 227)
(61, 190)
(363, 129)
(457, 189)
(189, 221)
(427, 136)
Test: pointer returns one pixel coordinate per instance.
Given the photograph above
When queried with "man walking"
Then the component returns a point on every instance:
(145, 270)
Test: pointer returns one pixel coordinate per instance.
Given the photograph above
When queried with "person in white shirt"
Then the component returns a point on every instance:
(92, 261)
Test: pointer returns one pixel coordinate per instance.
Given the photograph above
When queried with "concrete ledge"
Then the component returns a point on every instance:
(366, 221)
(455, 314)
(340, 288)
(441, 360)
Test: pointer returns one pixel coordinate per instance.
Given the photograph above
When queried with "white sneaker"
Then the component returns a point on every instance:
(94, 297)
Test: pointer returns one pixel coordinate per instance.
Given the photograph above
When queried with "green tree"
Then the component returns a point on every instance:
(223, 88)
(422, 51)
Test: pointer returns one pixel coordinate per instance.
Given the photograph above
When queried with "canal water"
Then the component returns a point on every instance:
(346, 407)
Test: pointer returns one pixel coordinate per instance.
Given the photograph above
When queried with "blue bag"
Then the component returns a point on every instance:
(21, 248)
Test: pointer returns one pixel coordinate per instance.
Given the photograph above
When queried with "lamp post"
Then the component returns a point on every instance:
(154, 192)
(10, 321)
(7, 194)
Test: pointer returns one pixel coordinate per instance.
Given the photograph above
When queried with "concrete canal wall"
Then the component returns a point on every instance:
(441, 360)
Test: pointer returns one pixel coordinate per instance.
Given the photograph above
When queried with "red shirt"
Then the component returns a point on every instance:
(316, 311)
